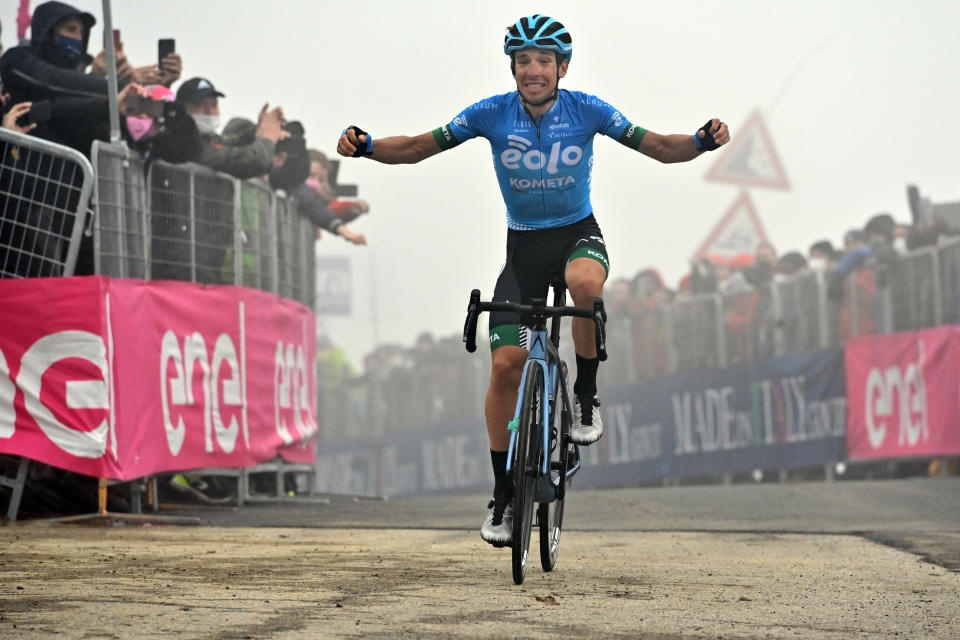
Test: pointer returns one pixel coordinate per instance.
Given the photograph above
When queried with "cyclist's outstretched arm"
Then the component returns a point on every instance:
(680, 148)
(392, 150)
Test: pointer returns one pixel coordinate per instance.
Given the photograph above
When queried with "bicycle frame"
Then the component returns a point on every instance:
(544, 354)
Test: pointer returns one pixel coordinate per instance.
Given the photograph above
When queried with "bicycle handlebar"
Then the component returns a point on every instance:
(537, 311)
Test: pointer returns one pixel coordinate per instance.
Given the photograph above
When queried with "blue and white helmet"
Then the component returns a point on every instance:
(538, 32)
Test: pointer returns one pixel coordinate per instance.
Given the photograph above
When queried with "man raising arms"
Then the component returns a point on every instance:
(542, 142)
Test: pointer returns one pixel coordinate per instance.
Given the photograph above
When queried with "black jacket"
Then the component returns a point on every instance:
(313, 208)
(40, 71)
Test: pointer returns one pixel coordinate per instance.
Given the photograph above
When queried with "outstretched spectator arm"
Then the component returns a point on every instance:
(313, 208)
(250, 161)
(392, 150)
(349, 210)
(46, 79)
(125, 71)
(152, 74)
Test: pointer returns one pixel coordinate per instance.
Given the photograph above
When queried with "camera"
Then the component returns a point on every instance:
(146, 106)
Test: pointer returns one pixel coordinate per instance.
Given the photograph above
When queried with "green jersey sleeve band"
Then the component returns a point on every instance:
(632, 136)
(445, 138)
(505, 335)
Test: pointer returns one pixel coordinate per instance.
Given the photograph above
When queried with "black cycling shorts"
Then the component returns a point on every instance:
(534, 260)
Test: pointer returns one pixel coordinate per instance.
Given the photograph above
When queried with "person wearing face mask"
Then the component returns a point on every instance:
(822, 256)
(200, 99)
(51, 68)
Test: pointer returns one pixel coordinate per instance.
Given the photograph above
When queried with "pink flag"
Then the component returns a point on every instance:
(23, 19)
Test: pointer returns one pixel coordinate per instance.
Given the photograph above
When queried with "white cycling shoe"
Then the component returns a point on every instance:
(587, 425)
(497, 528)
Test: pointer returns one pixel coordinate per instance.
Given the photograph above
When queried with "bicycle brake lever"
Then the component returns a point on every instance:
(470, 326)
(600, 333)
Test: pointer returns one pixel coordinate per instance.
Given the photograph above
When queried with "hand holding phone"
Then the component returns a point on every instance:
(165, 46)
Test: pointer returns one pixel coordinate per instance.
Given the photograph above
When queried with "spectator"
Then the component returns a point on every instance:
(51, 68)
(649, 290)
(703, 276)
(733, 274)
(150, 74)
(319, 181)
(790, 264)
(929, 233)
(38, 224)
(200, 98)
(853, 240)
(173, 138)
(290, 166)
(764, 265)
(312, 205)
(881, 233)
(617, 296)
(822, 256)
(319, 178)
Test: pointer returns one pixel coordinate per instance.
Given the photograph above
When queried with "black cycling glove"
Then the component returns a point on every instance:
(707, 143)
(365, 148)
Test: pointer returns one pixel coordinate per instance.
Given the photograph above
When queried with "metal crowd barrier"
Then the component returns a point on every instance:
(794, 315)
(162, 221)
(44, 193)
(698, 332)
(949, 260)
(186, 222)
(913, 292)
(45, 189)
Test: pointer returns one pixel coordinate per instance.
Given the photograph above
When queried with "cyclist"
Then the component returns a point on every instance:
(542, 142)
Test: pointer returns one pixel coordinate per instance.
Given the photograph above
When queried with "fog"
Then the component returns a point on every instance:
(860, 99)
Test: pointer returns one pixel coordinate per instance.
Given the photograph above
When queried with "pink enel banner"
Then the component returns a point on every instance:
(120, 379)
(903, 394)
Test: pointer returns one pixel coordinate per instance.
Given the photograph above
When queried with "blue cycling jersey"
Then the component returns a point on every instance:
(543, 166)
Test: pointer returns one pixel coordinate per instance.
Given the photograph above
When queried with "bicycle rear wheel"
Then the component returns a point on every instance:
(526, 468)
(550, 514)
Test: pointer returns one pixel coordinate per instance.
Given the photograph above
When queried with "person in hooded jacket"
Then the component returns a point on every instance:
(51, 67)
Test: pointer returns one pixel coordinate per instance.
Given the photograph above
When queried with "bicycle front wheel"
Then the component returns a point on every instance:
(526, 468)
(550, 514)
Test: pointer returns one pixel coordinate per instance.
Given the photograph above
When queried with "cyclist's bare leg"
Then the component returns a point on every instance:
(585, 278)
(501, 401)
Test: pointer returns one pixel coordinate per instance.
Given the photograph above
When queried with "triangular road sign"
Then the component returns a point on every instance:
(749, 159)
(739, 231)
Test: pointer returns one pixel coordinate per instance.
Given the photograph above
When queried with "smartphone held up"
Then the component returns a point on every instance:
(165, 46)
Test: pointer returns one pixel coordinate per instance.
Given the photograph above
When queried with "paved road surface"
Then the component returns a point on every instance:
(850, 559)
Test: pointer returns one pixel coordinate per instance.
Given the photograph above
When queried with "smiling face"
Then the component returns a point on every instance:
(537, 74)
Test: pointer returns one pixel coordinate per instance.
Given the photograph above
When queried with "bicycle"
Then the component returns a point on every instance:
(540, 456)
